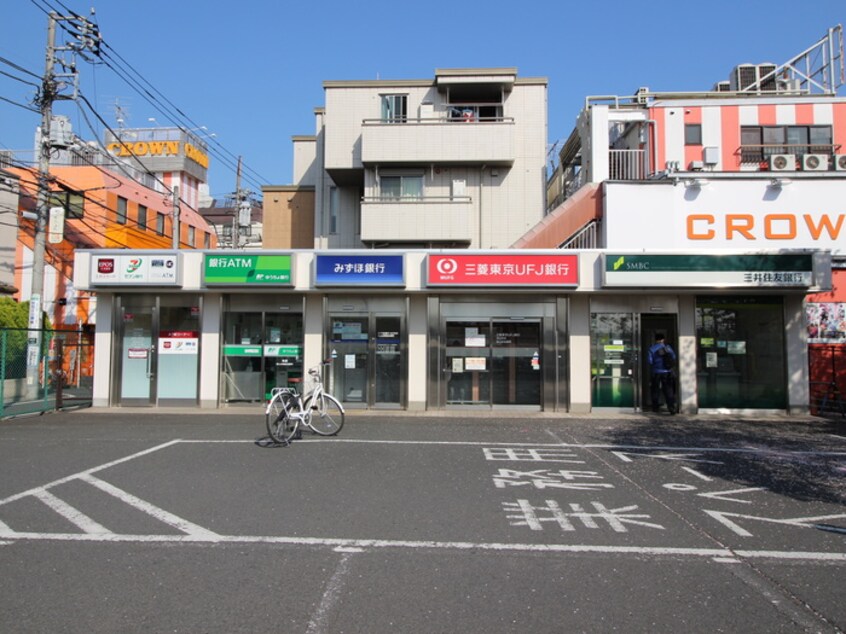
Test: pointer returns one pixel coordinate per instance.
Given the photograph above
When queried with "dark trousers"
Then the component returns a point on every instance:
(663, 383)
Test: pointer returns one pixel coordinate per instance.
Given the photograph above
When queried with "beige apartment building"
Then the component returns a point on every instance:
(457, 161)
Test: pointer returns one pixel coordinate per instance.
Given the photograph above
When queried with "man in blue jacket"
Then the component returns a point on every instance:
(662, 360)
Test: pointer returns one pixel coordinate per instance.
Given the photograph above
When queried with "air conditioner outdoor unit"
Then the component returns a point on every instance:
(815, 163)
(782, 163)
(840, 162)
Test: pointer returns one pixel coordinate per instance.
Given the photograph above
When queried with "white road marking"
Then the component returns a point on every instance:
(701, 476)
(373, 544)
(800, 522)
(154, 511)
(631, 449)
(74, 516)
(686, 457)
(101, 467)
(724, 495)
(319, 620)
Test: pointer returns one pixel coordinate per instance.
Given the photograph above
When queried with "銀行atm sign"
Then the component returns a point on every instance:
(503, 269)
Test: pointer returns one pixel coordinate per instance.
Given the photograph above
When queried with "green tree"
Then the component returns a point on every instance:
(14, 320)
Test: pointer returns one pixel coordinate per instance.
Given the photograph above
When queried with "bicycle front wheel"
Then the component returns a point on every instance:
(280, 426)
(327, 417)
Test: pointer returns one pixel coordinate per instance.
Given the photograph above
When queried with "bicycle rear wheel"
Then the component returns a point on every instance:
(327, 417)
(280, 426)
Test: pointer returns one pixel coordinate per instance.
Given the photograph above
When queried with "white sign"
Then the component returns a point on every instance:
(56, 225)
(178, 345)
(138, 268)
(739, 214)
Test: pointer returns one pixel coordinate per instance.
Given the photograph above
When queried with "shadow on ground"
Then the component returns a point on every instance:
(802, 460)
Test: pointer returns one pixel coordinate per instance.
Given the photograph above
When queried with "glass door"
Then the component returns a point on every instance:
(612, 360)
(493, 362)
(158, 350)
(137, 360)
(515, 363)
(348, 344)
(468, 362)
(388, 370)
(367, 353)
(178, 351)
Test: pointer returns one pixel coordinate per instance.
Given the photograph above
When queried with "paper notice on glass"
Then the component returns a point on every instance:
(349, 362)
(710, 359)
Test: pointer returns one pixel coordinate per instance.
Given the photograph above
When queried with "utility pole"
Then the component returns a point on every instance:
(88, 39)
(236, 223)
(48, 94)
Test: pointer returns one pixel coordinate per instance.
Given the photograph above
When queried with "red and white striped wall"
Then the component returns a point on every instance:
(721, 123)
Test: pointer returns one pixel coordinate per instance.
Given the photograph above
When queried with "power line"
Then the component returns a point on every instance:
(19, 105)
(112, 59)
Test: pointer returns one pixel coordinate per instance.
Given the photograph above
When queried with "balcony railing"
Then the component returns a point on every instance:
(416, 219)
(627, 165)
(439, 139)
(762, 153)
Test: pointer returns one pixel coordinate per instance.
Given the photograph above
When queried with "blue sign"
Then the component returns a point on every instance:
(359, 270)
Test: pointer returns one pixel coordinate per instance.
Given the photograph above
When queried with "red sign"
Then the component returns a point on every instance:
(503, 270)
(179, 334)
(106, 266)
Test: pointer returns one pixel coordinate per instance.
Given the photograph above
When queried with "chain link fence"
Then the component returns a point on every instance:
(64, 377)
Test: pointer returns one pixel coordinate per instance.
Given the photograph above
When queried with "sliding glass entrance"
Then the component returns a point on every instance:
(367, 352)
(157, 350)
(493, 362)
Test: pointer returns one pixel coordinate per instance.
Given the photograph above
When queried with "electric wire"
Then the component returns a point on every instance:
(117, 64)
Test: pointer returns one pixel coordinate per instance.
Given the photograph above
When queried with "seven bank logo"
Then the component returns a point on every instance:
(133, 265)
(447, 266)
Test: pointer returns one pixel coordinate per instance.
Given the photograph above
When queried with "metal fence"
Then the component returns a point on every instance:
(828, 379)
(65, 372)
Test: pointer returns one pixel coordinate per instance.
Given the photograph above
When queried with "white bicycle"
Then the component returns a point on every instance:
(318, 410)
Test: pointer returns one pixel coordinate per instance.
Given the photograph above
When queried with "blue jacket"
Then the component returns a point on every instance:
(656, 360)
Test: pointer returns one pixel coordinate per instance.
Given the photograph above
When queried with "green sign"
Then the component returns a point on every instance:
(242, 351)
(282, 351)
(243, 269)
(685, 270)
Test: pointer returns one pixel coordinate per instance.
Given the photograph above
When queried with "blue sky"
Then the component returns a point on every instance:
(252, 72)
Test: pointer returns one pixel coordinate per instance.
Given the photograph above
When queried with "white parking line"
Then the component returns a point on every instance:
(70, 478)
(377, 544)
(154, 511)
(74, 516)
(629, 449)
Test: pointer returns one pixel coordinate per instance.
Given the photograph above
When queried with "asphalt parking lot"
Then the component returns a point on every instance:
(141, 521)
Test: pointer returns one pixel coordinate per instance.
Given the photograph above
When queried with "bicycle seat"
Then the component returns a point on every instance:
(295, 380)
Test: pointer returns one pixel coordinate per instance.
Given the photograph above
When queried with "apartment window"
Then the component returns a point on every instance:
(693, 134)
(334, 203)
(142, 217)
(401, 186)
(758, 143)
(121, 210)
(72, 202)
(191, 236)
(394, 108)
(160, 224)
(206, 240)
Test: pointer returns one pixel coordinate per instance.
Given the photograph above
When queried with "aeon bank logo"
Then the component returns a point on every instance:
(446, 267)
